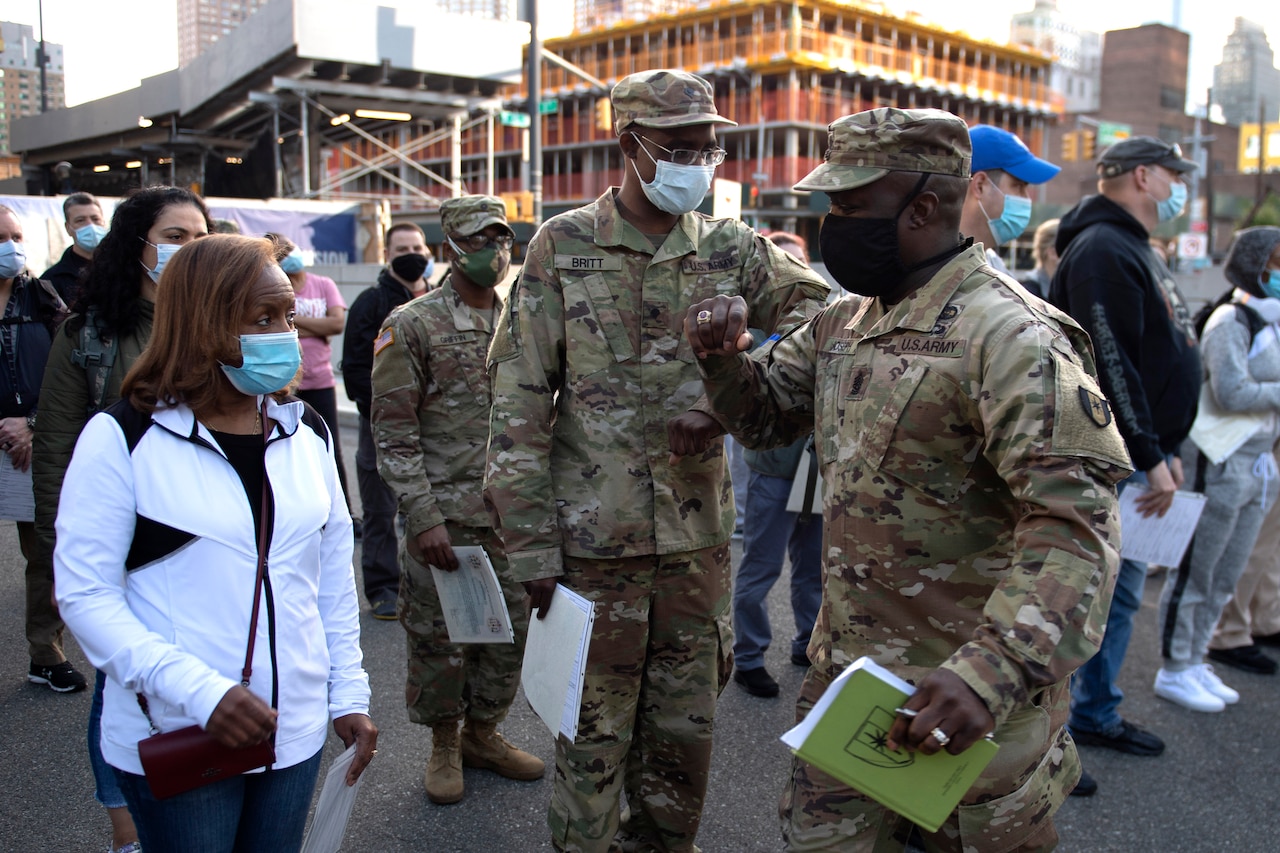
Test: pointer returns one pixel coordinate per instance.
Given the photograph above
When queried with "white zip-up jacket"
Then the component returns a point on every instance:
(155, 564)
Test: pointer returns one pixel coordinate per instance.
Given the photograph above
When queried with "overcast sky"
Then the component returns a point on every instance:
(110, 45)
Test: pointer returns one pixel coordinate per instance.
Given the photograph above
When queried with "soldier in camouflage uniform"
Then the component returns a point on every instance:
(588, 365)
(430, 419)
(970, 462)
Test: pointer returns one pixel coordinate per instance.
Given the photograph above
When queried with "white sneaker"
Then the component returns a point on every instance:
(1210, 681)
(1184, 688)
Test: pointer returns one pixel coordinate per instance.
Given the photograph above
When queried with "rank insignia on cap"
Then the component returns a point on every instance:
(1095, 407)
(387, 338)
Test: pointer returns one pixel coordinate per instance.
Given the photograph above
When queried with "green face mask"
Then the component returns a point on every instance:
(484, 267)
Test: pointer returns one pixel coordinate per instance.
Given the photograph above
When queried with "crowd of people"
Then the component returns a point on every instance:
(938, 451)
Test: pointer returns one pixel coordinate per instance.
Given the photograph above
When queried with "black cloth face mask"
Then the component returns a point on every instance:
(862, 253)
(410, 266)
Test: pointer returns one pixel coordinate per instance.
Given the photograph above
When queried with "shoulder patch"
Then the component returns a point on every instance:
(385, 338)
(1095, 406)
(588, 263)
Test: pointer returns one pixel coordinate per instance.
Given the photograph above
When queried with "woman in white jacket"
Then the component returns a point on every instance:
(157, 556)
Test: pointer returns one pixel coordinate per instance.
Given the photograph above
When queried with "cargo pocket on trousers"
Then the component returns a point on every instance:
(1021, 817)
(724, 656)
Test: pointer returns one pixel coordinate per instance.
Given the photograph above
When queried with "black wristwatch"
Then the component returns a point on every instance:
(31, 419)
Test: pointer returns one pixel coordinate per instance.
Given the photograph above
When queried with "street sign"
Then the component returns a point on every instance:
(1111, 132)
(510, 119)
(1192, 246)
(548, 107)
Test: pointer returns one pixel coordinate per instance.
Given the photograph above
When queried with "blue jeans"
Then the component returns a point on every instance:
(1095, 697)
(105, 788)
(769, 530)
(252, 813)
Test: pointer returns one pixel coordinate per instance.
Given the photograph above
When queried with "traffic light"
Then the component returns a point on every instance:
(604, 115)
(1088, 142)
(1071, 146)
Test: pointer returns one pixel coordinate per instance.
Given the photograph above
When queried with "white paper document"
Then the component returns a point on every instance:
(1160, 541)
(555, 658)
(471, 598)
(17, 501)
(800, 488)
(333, 809)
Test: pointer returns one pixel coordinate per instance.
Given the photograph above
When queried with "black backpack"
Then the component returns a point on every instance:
(1244, 314)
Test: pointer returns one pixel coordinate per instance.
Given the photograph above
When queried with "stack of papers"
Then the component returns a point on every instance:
(555, 658)
(333, 809)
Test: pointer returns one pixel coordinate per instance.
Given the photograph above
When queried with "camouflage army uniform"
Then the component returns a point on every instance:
(970, 523)
(430, 419)
(588, 364)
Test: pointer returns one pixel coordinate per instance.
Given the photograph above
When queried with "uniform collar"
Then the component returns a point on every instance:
(466, 318)
(611, 229)
(921, 310)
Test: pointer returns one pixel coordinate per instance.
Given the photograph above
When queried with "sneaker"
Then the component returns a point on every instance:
(1268, 639)
(384, 608)
(1126, 737)
(757, 682)
(1210, 681)
(801, 659)
(1245, 658)
(1086, 787)
(61, 677)
(1184, 688)
(131, 847)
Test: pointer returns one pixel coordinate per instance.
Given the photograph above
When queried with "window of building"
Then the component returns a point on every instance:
(1172, 98)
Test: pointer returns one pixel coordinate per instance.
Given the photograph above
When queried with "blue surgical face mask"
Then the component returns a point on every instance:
(1013, 220)
(89, 236)
(164, 251)
(292, 262)
(270, 363)
(13, 258)
(1269, 281)
(1169, 208)
(675, 189)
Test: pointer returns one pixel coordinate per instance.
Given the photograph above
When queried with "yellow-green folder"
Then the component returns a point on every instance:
(844, 735)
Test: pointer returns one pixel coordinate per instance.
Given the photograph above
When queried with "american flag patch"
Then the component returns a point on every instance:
(384, 340)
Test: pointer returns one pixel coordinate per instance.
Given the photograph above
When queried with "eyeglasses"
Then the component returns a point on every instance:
(689, 157)
(476, 242)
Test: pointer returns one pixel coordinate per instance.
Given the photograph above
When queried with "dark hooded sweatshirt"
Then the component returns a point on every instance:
(1115, 286)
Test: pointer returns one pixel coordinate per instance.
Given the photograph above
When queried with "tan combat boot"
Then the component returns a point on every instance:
(483, 747)
(444, 769)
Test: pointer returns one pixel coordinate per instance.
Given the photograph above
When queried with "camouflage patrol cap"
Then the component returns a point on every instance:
(866, 146)
(471, 214)
(664, 98)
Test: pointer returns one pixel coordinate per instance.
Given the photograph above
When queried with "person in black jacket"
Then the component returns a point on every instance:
(409, 266)
(86, 227)
(32, 309)
(1115, 286)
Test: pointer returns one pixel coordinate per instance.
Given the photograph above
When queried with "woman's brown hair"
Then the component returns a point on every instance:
(201, 301)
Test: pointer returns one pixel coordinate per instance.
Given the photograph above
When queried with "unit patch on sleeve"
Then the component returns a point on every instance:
(385, 339)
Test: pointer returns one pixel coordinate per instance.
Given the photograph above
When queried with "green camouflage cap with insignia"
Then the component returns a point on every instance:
(471, 214)
(664, 98)
(866, 146)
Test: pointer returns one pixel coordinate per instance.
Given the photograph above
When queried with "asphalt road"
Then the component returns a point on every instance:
(1213, 790)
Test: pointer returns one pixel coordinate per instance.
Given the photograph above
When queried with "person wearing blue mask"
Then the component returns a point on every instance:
(997, 207)
(1124, 296)
(86, 227)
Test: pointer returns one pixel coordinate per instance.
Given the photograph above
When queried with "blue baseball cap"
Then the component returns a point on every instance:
(994, 148)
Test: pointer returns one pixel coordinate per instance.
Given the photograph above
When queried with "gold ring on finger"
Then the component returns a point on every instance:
(704, 317)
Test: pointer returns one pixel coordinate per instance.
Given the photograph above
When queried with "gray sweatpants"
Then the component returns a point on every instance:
(1196, 592)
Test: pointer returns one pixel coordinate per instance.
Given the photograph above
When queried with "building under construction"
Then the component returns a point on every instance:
(782, 69)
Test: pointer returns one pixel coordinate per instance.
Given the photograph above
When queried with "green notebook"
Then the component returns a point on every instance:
(844, 736)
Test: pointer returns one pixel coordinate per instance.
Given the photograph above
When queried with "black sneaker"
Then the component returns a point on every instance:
(800, 659)
(1127, 737)
(757, 682)
(61, 677)
(1267, 639)
(385, 608)
(1247, 658)
(1086, 787)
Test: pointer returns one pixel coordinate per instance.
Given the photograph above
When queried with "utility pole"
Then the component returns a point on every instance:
(44, 61)
(535, 117)
(1259, 189)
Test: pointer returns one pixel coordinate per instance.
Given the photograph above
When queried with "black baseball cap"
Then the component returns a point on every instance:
(1142, 151)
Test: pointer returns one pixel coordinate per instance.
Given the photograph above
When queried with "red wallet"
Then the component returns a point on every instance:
(185, 759)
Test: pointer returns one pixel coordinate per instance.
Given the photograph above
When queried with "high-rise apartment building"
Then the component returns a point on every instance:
(20, 76)
(1246, 77)
(202, 22)
(1077, 54)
